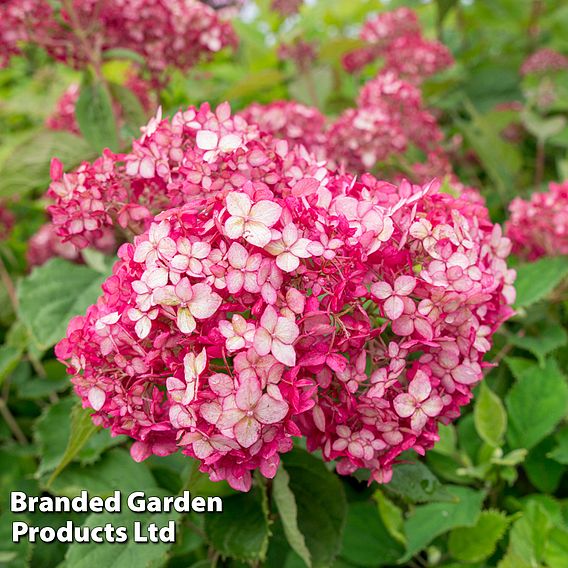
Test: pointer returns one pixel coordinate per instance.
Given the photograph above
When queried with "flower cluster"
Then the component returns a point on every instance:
(176, 33)
(389, 119)
(539, 226)
(544, 60)
(291, 121)
(46, 244)
(279, 299)
(396, 37)
(197, 156)
(63, 116)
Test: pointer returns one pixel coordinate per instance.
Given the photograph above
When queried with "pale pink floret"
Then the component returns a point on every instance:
(393, 297)
(197, 301)
(244, 413)
(250, 221)
(276, 335)
(418, 402)
(238, 332)
(289, 248)
(158, 246)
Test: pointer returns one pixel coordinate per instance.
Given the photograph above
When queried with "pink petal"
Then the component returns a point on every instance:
(466, 375)
(237, 255)
(433, 406)
(205, 302)
(286, 354)
(404, 285)
(238, 203)
(405, 405)
(185, 321)
(97, 398)
(256, 233)
(381, 290)
(286, 330)
(248, 393)
(143, 327)
(287, 262)
(235, 280)
(247, 431)
(266, 212)
(420, 387)
(269, 319)
(206, 140)
(270, 410)
(394, 307)
(234, 227)
(262, 341)
(418, 420)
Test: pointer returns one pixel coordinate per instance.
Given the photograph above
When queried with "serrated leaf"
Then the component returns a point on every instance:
(321, 505)
(127, 555)
(366, 541)
(391, 516)
(427, 522)
(52, 294)
(415, 483)
(288, 511)
(95, 116)
(474, 544)
(81, 430)
(26, 168)
(490, 416)
(536, 280)
(535, 404)
(241, 531)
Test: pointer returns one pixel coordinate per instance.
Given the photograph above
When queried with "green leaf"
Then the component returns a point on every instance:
(391, 516)
(27, 167)
(132, 111)
(116, 470)
(543, 472)
(321, 505)
(254, 83)
(366, 541)
(130, 554)
(536, 280)
(123, 53)
(427, 522)
(318, 85)
(415, 483)
(241, 531)
(536, 404)
(52, 294)
(474, 544)
(288, 511)
(550, 337)
(560, 451)
(528, 538)
(9, 358)
(95, 115)
(490, 416)
(62, 440)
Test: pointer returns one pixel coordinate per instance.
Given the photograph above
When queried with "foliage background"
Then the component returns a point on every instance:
(493, 492)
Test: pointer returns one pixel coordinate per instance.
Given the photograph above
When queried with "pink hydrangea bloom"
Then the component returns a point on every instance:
(292, 121)
(544, 60)
(396, 37)
(233, 360)
(177, 33)
(539, 226)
